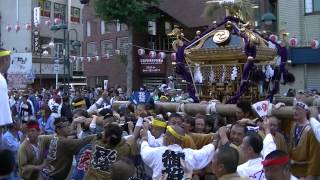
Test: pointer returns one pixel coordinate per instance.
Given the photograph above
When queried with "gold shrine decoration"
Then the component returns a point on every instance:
(221, 37)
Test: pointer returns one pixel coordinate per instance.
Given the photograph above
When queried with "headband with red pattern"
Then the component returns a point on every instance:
(276, 161)
(35, 126)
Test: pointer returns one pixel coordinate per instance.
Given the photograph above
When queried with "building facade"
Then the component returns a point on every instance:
(104, 38)
(301, 18)
(36, 39)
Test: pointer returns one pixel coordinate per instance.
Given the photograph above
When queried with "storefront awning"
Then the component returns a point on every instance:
(304, 55)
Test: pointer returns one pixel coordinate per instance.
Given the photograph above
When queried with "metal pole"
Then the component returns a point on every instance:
(56, 80)
(64, 58)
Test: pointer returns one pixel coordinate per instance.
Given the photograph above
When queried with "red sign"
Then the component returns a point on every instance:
(152, 66)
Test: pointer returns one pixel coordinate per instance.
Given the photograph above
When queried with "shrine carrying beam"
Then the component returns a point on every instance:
(195, 108)
(289, 100)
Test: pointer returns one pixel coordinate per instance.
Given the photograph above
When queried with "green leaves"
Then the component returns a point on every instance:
(132, 12)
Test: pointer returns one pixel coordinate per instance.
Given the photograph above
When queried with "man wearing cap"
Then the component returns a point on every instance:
(277, 166)
(304, 148)
(166, 160)
(5, 113)
(29, 153)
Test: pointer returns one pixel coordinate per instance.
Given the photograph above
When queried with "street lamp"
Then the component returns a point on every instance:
(75, 44)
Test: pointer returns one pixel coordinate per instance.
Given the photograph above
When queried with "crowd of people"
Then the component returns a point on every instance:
(57, 135)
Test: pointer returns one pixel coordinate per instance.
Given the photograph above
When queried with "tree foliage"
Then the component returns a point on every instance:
(132, 12)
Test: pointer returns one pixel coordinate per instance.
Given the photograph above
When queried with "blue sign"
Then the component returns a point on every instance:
(140, 97)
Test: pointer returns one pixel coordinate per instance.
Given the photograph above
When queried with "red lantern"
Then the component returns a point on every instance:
(173, 56)
(8, 28)
(152, 54)
(162, 55)
(314, 44)
(28, 27)
(293, 42)
(273, 38)
(17, 27)
(141, 52)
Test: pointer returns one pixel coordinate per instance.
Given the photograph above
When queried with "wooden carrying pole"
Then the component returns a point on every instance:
(195, 108)
(289, 100)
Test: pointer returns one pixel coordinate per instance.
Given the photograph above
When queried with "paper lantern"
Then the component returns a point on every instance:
(8, 28)
(314, 44)
(57, 20)
(97, 58)
(162, 55)
(273, 38)
(17, 27)
(293, 42)
(48, 22)
(173, 56)
(36, 24)
(117, 52)
(141, 52)
(152, 54)
(81, 59)
(89, 59)
(28, 26)
(106, 56)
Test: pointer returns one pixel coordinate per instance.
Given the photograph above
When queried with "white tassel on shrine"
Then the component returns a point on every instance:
(269, 72)
(234, 73)
(223, 77)
(211, 76)
(198, 78)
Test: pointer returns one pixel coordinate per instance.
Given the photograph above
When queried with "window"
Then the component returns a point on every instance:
(107, 27)
(311, 6)
(152, 30)
(88, 29)
(92, 49)
(45, 41)
(167, 27)
(75, 15)
(59, 11)
(122, 44)
(59, 47)
(45, 7)
(102, 26)
(111, 26)
(107, 47)
(121, 27)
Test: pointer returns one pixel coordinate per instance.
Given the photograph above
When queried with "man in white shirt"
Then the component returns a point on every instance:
(5, 112)
(156, 132)
(255, 150)
(166, 160)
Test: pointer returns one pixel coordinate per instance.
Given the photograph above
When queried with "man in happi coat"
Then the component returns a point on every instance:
(304, 148)
(166, 160)
(29, 153)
